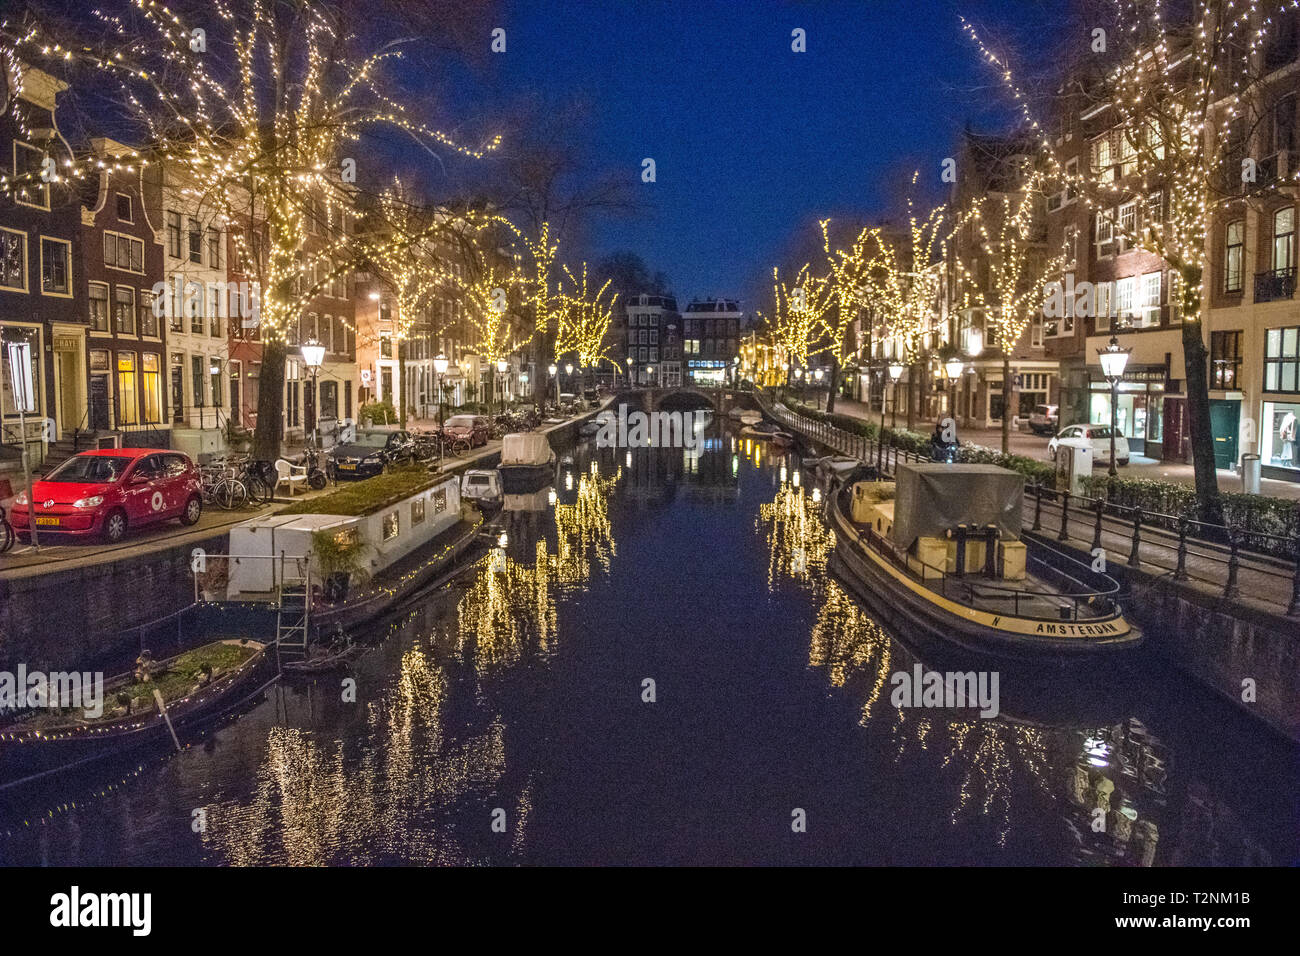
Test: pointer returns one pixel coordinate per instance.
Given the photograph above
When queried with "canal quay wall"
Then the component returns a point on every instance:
(1220, 643)
(106, 606)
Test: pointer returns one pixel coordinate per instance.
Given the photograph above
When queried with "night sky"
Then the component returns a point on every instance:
(752, 141)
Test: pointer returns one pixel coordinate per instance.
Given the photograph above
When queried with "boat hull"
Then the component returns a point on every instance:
(911, 607)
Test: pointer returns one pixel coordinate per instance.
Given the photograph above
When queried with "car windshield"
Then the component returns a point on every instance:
(90, 468)
(372, 439)
(478, 479)
(461, 421)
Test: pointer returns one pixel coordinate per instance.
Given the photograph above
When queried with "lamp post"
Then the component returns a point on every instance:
(439, 368)
(502, 365)
(1113, 359)
(631, 371)
(735, 372)
(896, 370)
(952, 369)
(554, 370)
(313, 354)
(817, 377)
(798, 382)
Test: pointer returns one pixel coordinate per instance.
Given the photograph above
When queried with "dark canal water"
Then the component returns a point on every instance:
(515, 695)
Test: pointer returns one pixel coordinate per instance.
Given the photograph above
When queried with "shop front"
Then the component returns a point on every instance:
(707, 371)
(1279, 448)
(1139, 409)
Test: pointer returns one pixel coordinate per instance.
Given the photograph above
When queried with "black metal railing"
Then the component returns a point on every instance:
(1274, 285)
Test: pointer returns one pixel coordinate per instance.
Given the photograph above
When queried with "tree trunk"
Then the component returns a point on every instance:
(1006, 404)
(401, 383)
(911, 403)
(270, 403)
(832, 385)
(1198, 413)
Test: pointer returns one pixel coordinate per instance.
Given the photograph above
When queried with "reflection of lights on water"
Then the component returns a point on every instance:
(735, 465)
(628, 459)
(551, 496)
(499, 558)
(784, 475)
(594, 469)
(794, 478)
(568, 481)
(817, 495)
(503, 540)
(1098, 751)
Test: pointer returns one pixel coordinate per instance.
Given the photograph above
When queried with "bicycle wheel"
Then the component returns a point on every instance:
(231, 494)
(259, 491)
(460, 446)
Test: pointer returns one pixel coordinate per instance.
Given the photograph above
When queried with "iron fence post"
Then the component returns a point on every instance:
(1064, 533)
(1180, 572)
(1038, 506)
(1293, 609)
(1134, 558)
(1099, 505)
(1231, 591)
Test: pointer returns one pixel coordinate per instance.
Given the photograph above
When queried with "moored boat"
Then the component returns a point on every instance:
(197, 687)
(525, 457)
(940, 551)
(766, 431)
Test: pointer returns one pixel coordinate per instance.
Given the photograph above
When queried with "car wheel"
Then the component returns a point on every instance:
(114, 529)
(1122, 462)
(193, 511)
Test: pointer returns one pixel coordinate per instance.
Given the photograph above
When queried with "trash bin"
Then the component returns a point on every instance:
(1250, 474)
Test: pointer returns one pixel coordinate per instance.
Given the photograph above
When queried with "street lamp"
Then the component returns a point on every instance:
(631, 371)
(440, 368)
(313, 353)
(1113, 359)
(554, 369)
(502, 365)
(896, 370)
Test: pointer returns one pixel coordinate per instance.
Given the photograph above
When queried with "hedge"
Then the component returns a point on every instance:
(370, 495)
(1255, 515)
(919, 444)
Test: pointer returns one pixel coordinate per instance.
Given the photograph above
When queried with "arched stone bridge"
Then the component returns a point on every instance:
(650, 399)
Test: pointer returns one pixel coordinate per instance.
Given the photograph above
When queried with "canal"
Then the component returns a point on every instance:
(658, 667)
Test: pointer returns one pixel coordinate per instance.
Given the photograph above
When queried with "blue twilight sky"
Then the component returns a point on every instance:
(752, 141)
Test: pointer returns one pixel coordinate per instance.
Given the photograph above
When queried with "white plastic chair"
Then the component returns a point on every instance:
(289, 474)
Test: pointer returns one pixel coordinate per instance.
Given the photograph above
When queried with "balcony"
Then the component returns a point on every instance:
(1274, 285)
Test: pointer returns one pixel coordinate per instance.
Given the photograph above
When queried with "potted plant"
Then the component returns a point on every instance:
(213, 581)
(339, 558)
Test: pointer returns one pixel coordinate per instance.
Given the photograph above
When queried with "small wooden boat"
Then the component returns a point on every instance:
(766, 431)
(940, 552)
(745, 416)
(322, 660)
(526, 457)
(197, 687)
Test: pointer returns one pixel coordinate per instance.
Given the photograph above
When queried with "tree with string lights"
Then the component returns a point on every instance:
(583, 318)
(797, 311)
(1183, 96)
(267, 130)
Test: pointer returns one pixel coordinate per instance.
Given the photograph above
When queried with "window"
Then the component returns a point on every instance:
(195, 242)
(1233, 255)
(439, 501)
(1150, 305)
(214, 373)
(1283, 238)
(1282, 360)
(194, 306)
(151, 387)
(173, 234)
(1225, 359)
(126, 397)
(417, 511)
(148, 320)
(98, 307)
(1124, 289)
(13, 259)
(1105, 230)
(1070, 244)
(1101, 167)
(1103, 302)
(124, 208)
(214, 313)
(29, 163)
(1127, 220)
(325, 333)
(56, 266)
(214, 248)
(1154, 214)
(124, 310)
(392, 525)
(199, 377)
(123, 252)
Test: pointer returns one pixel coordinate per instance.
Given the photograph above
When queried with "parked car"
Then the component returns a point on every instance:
(1044, 419)
(476, 428)
(1099, 436)
(370, 453)
(106, 491)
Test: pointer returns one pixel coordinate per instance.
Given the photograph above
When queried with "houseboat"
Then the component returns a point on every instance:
(526, 458)
(939, 551)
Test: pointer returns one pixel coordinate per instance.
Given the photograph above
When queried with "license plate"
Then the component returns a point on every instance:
(47, 520)
(347, 467)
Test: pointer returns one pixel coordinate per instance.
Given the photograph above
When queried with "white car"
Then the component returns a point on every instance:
(1044, 418)
(1099, 436)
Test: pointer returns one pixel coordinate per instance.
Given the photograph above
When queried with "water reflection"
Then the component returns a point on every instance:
(514, 691)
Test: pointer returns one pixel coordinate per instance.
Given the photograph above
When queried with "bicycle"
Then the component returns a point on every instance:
(7, 535)
(221, 487)
(258, 478)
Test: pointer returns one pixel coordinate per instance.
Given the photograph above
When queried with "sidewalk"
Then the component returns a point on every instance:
(1035, 446)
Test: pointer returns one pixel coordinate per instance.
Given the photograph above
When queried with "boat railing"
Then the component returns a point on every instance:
(1074, 594)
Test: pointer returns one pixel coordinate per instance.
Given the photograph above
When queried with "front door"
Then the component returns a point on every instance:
(1224, 418)
(71, 408)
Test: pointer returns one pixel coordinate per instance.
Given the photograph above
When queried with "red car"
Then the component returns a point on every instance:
(475, 428)
(106, 491)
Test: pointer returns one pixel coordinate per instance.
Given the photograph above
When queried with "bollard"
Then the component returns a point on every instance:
(1230, 590)
(1064, 533)
(1100, 507)
(1038, 506)
(880, 453)
(1134, 559)
(1180, 572)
